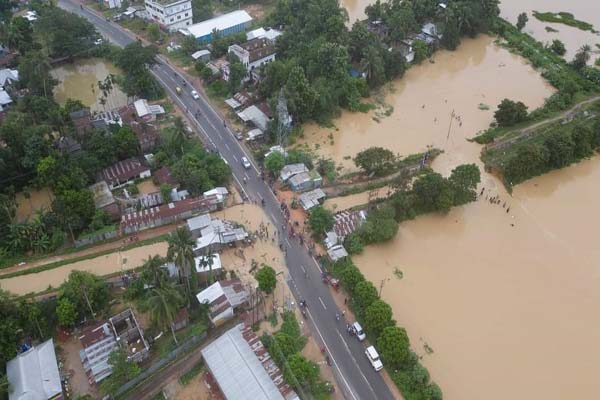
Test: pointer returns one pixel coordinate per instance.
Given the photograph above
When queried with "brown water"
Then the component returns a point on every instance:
(103, 265)
(425, 98)
(79, 80)
(573, 38)
(38, 200)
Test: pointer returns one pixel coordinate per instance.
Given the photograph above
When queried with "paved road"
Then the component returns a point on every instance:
(356, 377)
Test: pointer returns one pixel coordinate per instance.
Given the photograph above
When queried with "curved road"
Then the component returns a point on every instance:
(356, 378)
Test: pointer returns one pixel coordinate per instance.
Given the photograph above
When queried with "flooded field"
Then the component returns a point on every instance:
(437, 104)
(505, 295)
(345, 202)
(103, 265)
(79, 80)
(573, 38)
(35, 200)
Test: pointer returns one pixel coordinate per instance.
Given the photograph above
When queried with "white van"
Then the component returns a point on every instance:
(358, 331)
(373, 357)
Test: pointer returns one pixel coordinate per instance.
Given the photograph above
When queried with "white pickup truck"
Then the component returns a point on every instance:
(373, 357)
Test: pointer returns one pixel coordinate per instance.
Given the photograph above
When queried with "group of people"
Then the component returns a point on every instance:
(494, 200)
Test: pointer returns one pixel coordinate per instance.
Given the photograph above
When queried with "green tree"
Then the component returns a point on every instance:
(582, 139)
(266, 278)
(65, 34)
(275, 162)
(189, 44)
(394, 346)
(376, 160)
(350, 275)
(353, 243)
(163, 304)
(34, 73)
(373, 66)
(181, 252)
(510, 112)
(87, 292)
(432, 193)
(320, 220)
(202, 10)
(561, 149)
(464, 180)
(581, 57)
(237, 72)
(20, 35)
(300, 372)
(380, 226)
(153, 31)
(123, 371)
(521, 21)
(451, 37)
(421, 50)
(126, 143)
(377, 317)
(153, 272)
(558, 47)
(165, 191)
(401, 20)
(530, 160)
(74, 209)
(66, 312)
(363, 295)
(300, 95)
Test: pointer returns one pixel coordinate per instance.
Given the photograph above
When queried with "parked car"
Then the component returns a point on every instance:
(373, 357)
(246, 163)
(358, 330)
(195, 95)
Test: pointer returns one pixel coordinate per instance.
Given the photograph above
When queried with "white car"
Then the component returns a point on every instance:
(373, 357)
(195, 95)
(246, 163)
(358, 330)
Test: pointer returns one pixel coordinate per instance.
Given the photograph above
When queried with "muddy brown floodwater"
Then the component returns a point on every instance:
(507, 301)
(424, 100)
(79, 80)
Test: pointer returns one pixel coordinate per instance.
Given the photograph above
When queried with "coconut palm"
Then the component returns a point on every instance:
(178, 132)
(207, 261)
(163, 304)
(182, 254)
(153, 272)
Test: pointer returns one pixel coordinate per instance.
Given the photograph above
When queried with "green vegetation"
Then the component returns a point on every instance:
(123, 371)
(549, 147)
(563, 18)
(86, 292)
(376, 161)
(558, 47)
(320, 220)
(284, 347)
(266, 278)
(393, 344)
(191, 374)
(510, 113)
(430, 192)
(521, 21)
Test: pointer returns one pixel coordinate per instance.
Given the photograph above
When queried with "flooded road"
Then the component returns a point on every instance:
(425, 99)
(79, 80)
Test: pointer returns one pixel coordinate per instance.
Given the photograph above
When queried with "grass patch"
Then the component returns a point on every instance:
(564, 18)
(191, 374)
(61, 263)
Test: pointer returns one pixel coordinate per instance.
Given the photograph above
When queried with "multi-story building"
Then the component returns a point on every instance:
(254, 54)
(171, 15)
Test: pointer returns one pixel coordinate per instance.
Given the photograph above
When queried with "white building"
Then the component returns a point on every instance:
(254, 53)
(172, 15)
(226, 24)
(112, 3)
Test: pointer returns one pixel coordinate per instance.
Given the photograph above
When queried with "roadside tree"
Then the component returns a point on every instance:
(376, 160)
(377, 317)
(274, 163)
(266, 278)
(320, 220)
(394, 346)
(364, 294)
(464, 180)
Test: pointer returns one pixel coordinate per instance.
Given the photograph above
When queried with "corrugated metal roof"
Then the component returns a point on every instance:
(219, 23)
(237, 369)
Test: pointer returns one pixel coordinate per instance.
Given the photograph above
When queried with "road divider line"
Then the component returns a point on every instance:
(323, 304)
(356, 362)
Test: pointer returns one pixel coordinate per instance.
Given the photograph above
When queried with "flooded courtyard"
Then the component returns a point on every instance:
(505, 295)
(79, 81)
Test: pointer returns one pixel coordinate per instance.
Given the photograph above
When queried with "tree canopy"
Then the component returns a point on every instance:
(266, 278)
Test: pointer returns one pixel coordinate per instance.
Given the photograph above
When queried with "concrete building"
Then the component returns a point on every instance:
(243, 368)
(147, 112)
(216, 234)
(34, 375)
(226, 24)
(104, 199)
(171, 15)
(201, 55)
(223, 298)
(129, 335)
(254, 54)
(98, 342)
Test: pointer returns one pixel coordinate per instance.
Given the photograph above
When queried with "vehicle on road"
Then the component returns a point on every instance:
(178, 90)
(358, 330)
(195, 95)
(246, 163)
(373, 357)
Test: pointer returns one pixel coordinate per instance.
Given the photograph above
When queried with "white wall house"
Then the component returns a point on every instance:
(172, 15)
(254, 53)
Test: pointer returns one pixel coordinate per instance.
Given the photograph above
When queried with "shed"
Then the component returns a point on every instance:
(305, 181)
(254, 134)
(312, 199)
(226, 24)
(337, 252)
(290, 170)
(201, 55)
(33, 374)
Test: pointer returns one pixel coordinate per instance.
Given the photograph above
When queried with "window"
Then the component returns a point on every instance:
(171, 20)
(179, 17)
(186, 14)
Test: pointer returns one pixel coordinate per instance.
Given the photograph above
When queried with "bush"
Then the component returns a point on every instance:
(320, 220)
(510, 113)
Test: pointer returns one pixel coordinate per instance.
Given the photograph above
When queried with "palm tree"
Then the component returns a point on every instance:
(178, 131)
(153, 271)
(207, 261)
(182, 254)
(163, 304)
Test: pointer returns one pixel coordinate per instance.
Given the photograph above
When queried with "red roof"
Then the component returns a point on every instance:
(93, 333)
(163, 175)
(123, 170)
